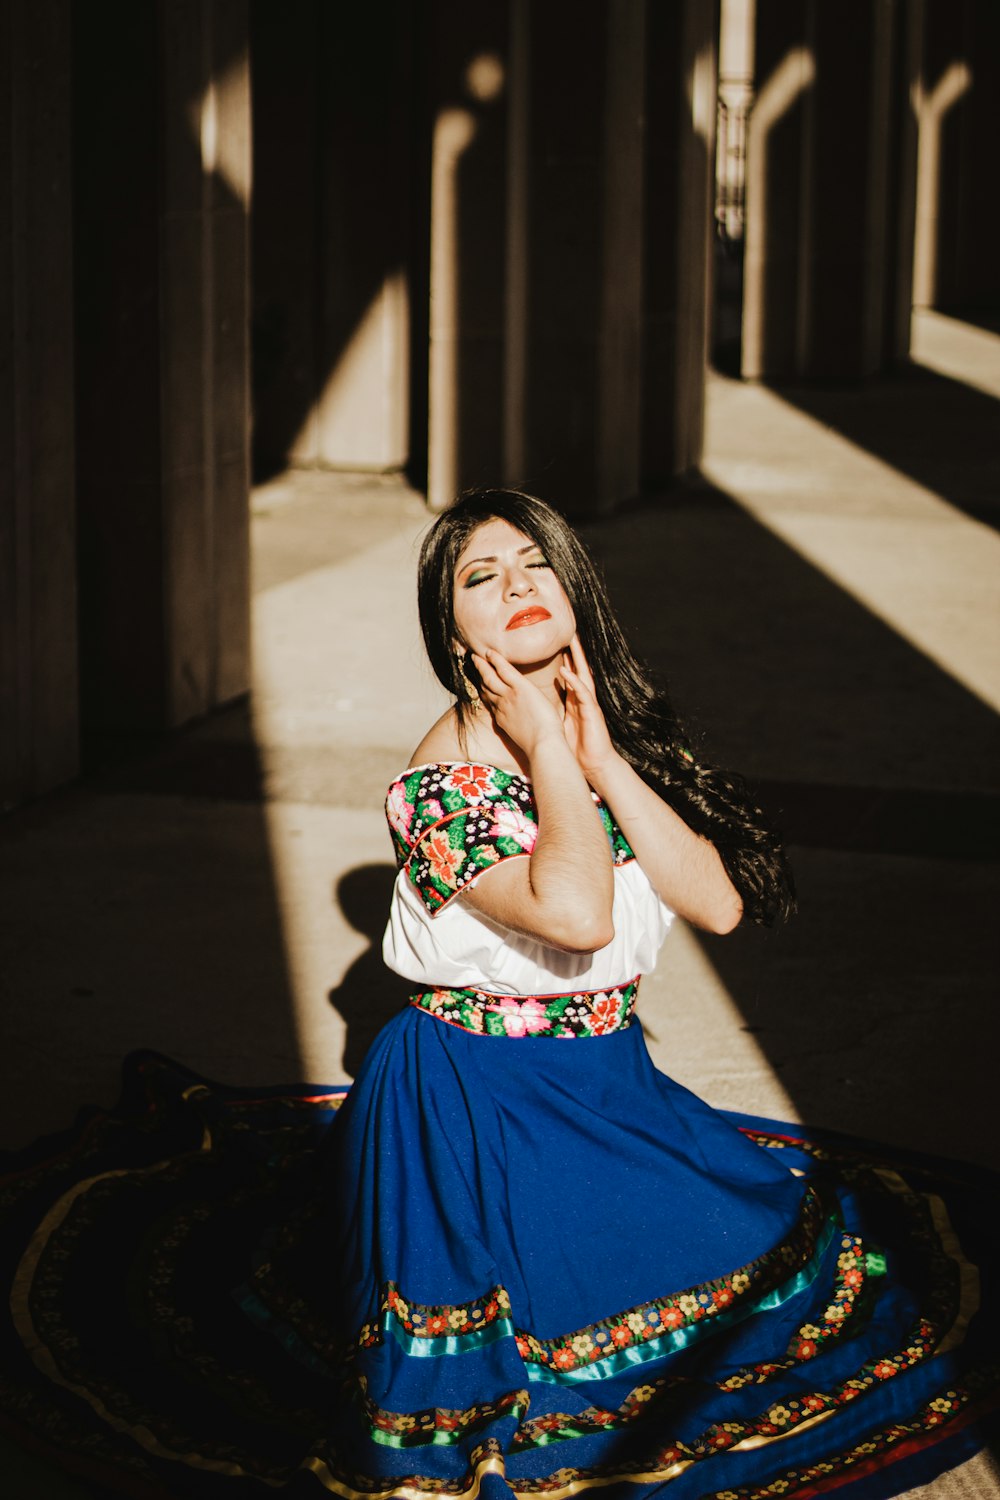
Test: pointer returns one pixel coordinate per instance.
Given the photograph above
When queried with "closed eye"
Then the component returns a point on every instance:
(484, 575)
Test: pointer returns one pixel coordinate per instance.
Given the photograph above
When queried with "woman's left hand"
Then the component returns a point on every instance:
(584, 726)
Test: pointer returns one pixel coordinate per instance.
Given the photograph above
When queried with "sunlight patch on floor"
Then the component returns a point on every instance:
(338, 660)
(696, 1033)
(918, 563)
(960, 351)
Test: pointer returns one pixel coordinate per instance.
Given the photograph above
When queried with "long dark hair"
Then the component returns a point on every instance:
(641, 720)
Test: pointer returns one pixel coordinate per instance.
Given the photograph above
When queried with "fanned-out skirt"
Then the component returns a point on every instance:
(516, 1258)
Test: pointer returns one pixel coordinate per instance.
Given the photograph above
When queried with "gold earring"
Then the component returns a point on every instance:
(471, 696)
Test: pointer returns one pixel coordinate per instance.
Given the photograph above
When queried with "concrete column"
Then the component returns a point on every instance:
(843, 247)
(38, 645)
(681, 73)
(287, 366)
(227, 187)
(468, 49)
(828, 159)
(573, 389)
(162, 200)
(902, 187)
(362, 415)
(333, 126)
(784, 74)
(957, 106)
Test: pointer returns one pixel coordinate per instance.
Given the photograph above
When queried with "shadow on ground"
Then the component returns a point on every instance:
(369, 994)
(142, 912)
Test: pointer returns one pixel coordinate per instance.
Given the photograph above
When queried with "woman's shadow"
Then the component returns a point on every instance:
(370, 994)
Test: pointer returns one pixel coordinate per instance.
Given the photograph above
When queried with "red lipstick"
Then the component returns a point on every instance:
(532, 616)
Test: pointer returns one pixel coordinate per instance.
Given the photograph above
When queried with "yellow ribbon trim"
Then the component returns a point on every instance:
(492, 1464)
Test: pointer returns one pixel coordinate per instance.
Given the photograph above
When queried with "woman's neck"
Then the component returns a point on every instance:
(480, 739)
(545, 676)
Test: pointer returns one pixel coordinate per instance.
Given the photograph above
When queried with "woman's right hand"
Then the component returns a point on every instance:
(519, 709)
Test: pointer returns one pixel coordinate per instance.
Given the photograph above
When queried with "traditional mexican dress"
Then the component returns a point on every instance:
(512, 1258)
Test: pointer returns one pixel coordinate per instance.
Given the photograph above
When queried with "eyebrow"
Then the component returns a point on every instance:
(531, 547)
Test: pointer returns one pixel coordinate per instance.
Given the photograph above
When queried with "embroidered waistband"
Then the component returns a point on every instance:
(582, 1013)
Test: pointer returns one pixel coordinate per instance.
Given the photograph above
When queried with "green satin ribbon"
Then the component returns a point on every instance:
(448, 1343)
(683, 1338)
(441, 1437)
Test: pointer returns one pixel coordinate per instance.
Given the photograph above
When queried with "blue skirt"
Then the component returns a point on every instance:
(529, 1265)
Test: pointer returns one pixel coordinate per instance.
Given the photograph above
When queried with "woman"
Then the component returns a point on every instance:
(529, 1267)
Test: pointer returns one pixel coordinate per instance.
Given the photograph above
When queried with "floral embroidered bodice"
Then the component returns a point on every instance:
(451, 822)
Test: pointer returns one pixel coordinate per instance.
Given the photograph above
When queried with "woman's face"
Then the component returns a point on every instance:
(507, 597)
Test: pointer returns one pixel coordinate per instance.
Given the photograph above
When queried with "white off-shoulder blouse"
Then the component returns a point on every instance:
(451, 823)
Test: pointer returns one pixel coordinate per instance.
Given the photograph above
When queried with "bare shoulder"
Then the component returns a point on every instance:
(440, 742)
(480, 743)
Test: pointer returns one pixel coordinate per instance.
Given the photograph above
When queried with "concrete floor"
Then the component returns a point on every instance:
(824, 603)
